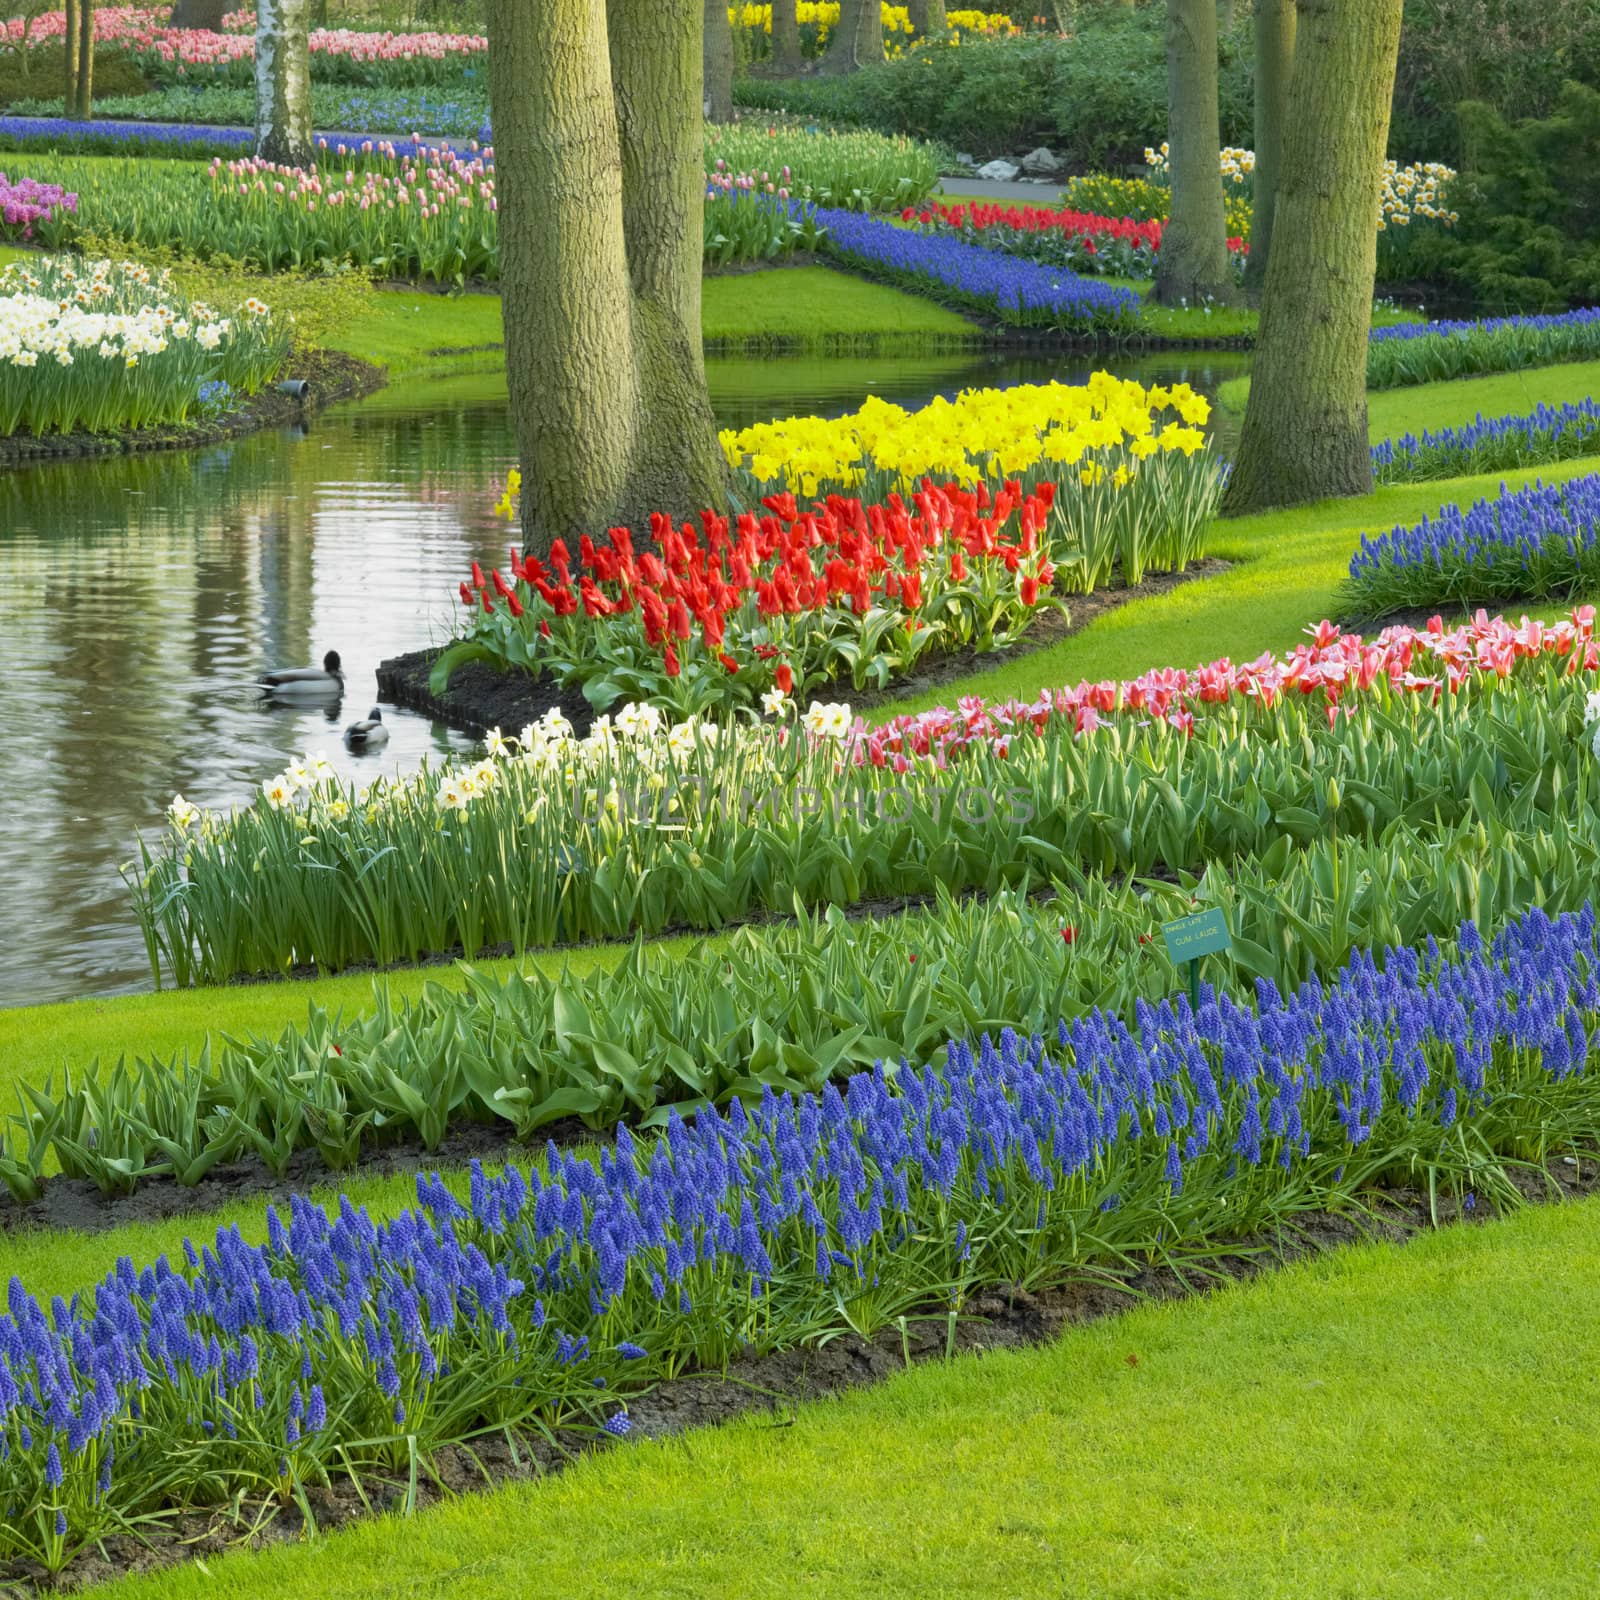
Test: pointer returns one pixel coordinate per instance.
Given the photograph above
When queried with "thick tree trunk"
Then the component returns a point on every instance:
(1274, 31)
(600, 167)
(927, 18)
(204, 15)
(1193, 262)
(283, 83)
(785, 36)
(678, 465)
(85, 105)
(1305, 428)
(718, 62)
(857, 39)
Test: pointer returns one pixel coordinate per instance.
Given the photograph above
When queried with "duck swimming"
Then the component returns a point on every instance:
(368, 733)
(305, 683)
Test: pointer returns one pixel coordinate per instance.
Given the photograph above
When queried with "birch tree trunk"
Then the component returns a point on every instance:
(785, 37)
(283, 82)
(1274, 42)
(599, 150)
(1305, 427)
(1192, 264)
(718, 62)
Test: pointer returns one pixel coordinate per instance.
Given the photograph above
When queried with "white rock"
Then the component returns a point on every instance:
(998, 172)
(1041, 163)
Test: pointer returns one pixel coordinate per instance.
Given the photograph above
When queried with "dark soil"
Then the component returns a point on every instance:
(1001, 1317)
(331, 376)
(480, 697)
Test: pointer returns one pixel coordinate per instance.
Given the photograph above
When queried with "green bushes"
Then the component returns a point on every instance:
(1529, 200)
(1096, 100)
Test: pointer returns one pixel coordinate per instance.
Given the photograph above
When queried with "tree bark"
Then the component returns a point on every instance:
(204, 15)
(1305, 427)
(85, 106)
(1192, 264)
(857, 37)
(69, 54)
(600, 171)
(1274, 41)
(927, 18)
(283, 83)
(785, 37)
(718, 62)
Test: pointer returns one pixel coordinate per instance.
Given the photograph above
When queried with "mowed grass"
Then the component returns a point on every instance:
(1386, 1421)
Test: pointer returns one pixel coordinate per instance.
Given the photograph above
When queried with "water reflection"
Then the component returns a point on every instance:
(141, 596)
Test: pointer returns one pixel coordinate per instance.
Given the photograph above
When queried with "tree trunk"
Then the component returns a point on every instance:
(927, 18)
(1192, 264)
(857, 37)
(283, 83)
(600, 168)
(718, 62)
(69, 54)
(785, 37)
(203, 15)
(85, 106)
(1305, 427)
(1224, 16)
(1274, 31)
(678, 465)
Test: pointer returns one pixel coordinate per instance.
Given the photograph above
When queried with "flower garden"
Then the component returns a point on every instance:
(792, 994)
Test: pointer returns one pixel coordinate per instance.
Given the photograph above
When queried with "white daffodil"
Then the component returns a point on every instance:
(318, 767)
(182, 813)
(775, 703)
(452, 797)
(277, 792)
(496, 746)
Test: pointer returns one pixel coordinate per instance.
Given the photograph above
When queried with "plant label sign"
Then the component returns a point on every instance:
(1203, 934)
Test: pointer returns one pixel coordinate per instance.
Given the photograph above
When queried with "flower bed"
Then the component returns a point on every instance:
(1497, 444)
(1538, 543)
(851, 170)
(98, 347)
(1141, 481)
(1431, 352)
(787, 602)
(1076, 240)
(26, 202)
(641, 828)
(816, 20)
(1020, 294)
(343, 1345)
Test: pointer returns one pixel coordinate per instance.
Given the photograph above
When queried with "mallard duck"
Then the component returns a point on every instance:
(366, 733)
(306, 683)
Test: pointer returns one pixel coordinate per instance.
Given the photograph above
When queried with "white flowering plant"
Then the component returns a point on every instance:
(102, 346)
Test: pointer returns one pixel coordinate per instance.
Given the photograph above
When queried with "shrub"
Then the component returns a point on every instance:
(1094, 99)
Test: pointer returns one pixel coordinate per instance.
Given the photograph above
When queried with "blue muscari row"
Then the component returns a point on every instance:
(1588, 317)
(1010, 283)
(1513, 529)
(827, 1184)
(1520, 430)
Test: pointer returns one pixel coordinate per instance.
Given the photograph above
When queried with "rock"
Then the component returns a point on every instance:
(1041, 163)
(964, 159)
(998, 172)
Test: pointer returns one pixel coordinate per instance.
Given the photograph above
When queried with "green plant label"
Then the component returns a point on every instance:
(1202, 934)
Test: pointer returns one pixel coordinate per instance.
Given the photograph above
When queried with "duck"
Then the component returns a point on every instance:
(368, 733)
(305, 683)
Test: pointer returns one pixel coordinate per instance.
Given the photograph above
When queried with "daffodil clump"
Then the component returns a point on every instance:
(1138, 475)
(99, 346)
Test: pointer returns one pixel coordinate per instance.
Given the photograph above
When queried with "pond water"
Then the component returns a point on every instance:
(140, 596)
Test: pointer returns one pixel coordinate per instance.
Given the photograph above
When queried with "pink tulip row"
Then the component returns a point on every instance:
(1335, 665)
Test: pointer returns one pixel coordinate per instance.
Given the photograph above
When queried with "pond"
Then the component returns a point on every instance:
(140, 596)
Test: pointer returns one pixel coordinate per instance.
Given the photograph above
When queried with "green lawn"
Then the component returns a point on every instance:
(1394, 1422)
